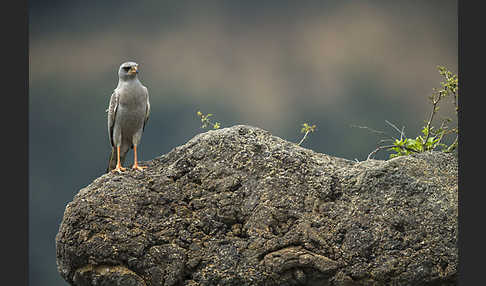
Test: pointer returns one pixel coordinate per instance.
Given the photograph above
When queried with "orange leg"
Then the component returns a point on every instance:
(135, 161)
(119, 167)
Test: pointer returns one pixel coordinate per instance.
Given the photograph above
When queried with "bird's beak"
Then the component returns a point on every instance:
(133, 70)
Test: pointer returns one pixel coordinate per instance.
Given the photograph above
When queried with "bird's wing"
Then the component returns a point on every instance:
(147, 110)
(111, 114)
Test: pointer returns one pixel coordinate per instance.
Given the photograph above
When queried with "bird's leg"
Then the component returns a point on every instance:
(118, 168)
(135, 161)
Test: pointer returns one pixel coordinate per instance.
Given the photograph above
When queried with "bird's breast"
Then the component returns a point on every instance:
(132, 99)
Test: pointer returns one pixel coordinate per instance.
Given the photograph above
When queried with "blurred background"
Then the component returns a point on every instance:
(270, 64)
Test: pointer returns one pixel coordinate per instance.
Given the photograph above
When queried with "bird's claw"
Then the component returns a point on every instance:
(118, 170)
(140, 168)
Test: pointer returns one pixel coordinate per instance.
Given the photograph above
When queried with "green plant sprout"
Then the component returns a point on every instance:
(206, 121)
(431, 137)
(306, 129)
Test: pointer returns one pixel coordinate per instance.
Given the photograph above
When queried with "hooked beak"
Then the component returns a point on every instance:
(133, 70)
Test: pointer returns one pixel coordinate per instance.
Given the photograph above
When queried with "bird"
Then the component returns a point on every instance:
(128, 113)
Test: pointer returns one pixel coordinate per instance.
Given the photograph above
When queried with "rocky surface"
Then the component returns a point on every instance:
(238, 206)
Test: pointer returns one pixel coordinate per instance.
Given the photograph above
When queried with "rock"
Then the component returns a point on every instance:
(238, 206)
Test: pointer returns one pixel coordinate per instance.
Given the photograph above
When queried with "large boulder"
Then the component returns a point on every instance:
(238, 206)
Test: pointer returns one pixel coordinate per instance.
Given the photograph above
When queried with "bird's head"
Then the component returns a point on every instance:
(128, 70)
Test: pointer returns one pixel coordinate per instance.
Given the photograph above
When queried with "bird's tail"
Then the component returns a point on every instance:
(112, 161)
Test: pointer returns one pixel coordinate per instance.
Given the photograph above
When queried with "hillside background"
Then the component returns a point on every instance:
(271, 64)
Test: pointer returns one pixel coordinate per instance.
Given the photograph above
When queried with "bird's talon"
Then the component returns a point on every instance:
(118, 170)
(137, 167)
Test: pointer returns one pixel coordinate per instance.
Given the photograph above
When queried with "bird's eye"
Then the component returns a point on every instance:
(126, 68)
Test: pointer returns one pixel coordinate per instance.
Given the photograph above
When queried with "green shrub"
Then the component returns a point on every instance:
(206, 121)
(432, 136)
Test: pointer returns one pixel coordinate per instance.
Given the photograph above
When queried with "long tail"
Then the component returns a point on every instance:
(112, 161)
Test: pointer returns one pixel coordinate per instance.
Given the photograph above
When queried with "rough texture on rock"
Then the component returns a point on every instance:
(238, 206)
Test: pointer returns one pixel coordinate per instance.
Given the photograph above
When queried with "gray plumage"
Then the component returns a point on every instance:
(128, 113)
